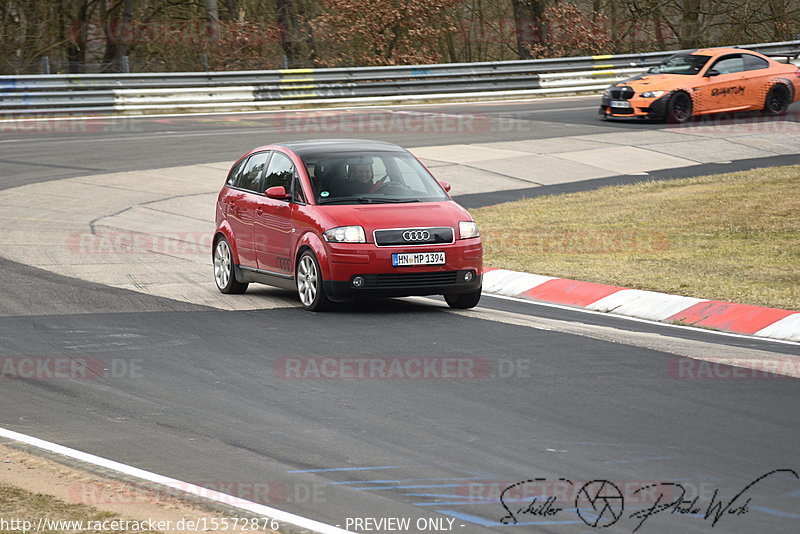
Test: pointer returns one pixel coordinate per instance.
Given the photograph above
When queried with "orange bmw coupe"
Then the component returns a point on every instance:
(711, 80)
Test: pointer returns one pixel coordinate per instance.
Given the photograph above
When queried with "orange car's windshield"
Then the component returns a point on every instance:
(682, 64)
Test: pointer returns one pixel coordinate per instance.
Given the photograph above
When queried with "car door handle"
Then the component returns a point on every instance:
(259, 211)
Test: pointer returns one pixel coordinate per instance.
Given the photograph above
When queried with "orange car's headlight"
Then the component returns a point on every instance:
(653, 94)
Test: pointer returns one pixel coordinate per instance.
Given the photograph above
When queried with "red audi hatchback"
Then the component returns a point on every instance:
(339, 219)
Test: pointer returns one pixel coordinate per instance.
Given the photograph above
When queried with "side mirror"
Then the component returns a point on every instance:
(653, 70)
(445, 185)
(712, 73)
(277, 192)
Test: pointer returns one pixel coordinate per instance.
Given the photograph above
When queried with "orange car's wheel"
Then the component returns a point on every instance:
(778, 100)
(679, 108)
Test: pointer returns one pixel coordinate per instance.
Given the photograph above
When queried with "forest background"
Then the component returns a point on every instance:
(59, 36)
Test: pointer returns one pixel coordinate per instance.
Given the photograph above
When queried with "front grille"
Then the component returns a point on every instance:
(413, 236)
(622, 93)
(622, 111)
(411, 279)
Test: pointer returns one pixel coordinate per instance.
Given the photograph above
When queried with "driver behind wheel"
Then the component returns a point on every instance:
(360, 176)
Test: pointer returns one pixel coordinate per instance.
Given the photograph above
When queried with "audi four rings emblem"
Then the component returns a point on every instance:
(416, 235)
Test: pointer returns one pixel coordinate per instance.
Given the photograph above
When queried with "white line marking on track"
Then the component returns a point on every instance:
(272, 111)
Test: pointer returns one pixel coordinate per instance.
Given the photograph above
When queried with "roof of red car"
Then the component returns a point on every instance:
(316, 146)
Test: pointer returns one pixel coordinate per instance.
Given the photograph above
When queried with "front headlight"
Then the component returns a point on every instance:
(346, 234)
(652, 94)
(468, 229)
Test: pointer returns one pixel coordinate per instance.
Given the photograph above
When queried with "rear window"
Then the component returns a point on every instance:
(754, 62)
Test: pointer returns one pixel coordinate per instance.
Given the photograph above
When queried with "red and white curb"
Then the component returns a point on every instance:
(745, 319)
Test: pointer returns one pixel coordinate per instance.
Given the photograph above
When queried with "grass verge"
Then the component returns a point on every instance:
(732, 237)
(20, 505)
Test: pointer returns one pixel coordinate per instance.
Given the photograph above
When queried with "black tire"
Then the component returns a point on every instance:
(224, 275)
(310, 287)
(778, 100)
(679, 108)
(464, 300)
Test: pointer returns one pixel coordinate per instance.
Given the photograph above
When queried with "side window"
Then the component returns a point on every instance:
(236, 173)
(280, 172)
(729, 64)
(251, 174)
(754, 62)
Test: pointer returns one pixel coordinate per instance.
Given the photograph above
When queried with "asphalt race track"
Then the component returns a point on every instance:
(50, 150)
(475, 402)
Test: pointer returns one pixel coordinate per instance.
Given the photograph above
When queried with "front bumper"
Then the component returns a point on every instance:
(641, 108)
(410, 284)
(373, 265)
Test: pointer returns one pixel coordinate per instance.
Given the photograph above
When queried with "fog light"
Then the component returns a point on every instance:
(358, 281)
(468, 276)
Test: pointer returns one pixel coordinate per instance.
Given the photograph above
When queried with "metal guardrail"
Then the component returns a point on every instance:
(240, 90)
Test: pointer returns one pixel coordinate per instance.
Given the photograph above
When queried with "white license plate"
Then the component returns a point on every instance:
(418, 258)
(620, 104)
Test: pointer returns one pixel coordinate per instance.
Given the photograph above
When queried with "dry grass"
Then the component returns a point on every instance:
(20, 504)
(732, 237)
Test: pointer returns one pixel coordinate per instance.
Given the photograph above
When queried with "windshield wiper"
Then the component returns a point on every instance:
(367, 200)
(392, 200)
(343, 199)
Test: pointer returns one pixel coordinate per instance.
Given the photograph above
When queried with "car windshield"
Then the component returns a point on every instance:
(682, 64)
(370, 177)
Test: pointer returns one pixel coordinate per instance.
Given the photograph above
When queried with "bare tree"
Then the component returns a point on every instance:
(212, 21)
(76, 43)
(689, 27)
(529, 25)
(286, 16)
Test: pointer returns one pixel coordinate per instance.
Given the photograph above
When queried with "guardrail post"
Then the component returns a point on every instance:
(126, 65)
(45, 65)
